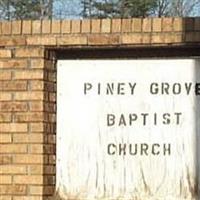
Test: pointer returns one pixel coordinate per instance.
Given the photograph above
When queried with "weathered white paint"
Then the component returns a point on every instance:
(84, 169)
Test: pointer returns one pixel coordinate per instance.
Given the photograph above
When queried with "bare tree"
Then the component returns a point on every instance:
(163, 8)
(63, 9)
(5, 10)
(46, 9)
(87, 8)
(25, 9)
(184, 8)
(177, 8)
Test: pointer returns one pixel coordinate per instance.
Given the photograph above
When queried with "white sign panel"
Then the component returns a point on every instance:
(128, 129)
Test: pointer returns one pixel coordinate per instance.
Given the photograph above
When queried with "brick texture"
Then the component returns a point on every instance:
(116, 26)
(137, 25)
(28, 87)
(16, 27)
(46, 26)
(76, 26)
(106, 26)
(85, 26)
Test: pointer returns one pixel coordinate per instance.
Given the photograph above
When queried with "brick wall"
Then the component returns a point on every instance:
(28, 87)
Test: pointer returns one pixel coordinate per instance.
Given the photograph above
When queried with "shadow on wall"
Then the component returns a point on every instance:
(197, 124)
(49, 136)
(191, 35)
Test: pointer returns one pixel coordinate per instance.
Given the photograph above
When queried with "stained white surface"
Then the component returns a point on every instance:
(85, 170)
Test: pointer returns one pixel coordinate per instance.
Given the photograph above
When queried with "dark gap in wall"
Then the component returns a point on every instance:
(128, 53)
